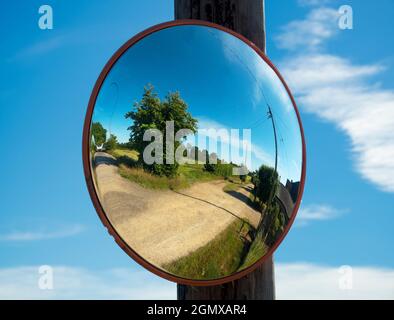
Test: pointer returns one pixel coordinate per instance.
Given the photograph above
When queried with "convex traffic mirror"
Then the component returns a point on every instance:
(194, 153)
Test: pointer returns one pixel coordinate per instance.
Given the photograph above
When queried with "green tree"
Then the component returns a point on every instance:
(266, 182)
(111, 143)
(125, 145)
(98, 133)
(152, 113)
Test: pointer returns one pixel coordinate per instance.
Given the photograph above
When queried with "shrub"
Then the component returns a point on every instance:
(266, 182)
(210, 167)
(224, 169)
(111, 143)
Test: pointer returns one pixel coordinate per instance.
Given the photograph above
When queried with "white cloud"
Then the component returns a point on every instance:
(338, 91)
(236, 144)
(80, 283)
(316, 282)
(310, 33)
(317, 212)
(311, 71)
(293, 281)
(310, 3)
(344, 93)
(42, 235)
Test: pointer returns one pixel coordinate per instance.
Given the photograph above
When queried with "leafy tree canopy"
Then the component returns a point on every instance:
(265, 181)
(99, 133)
(153, 113)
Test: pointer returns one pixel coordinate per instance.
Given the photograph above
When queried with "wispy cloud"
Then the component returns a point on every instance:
(76, 36)
(239, 146)
(363, 110)
(263, 77)
(293, 281)
(41, 48)
(310, 3)
(344, 93)
(236, 143)
(317, 212)
(20, 236)
(310, 33)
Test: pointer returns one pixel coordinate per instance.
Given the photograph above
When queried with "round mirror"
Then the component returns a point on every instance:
(194, 153)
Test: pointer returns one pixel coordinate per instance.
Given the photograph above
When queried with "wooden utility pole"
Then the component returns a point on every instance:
(247, 18)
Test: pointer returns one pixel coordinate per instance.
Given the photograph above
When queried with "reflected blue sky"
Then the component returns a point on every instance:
(226, 84)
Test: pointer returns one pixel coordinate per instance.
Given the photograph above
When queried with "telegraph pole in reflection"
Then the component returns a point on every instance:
(271, 116)
(247, 18)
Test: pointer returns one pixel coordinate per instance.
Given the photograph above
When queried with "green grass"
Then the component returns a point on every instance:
(187, 173)
(257, 250)
(151, 181)
(196, 173)
(118, 153)
(220, 257)
(234, 183)
(231, 186)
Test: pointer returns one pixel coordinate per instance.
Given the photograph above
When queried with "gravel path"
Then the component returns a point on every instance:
(163, 226)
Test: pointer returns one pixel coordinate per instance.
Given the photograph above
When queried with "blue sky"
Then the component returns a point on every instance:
(205, 65)
(343, 83)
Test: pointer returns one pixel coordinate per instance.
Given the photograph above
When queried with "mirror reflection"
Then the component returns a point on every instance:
(196, 152)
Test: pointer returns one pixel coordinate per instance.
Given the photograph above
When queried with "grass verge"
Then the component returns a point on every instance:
(117, 153)
(231, 187)
(150, 181)
(257, 250)
(220, 257)
(187, 173)
(195, 173)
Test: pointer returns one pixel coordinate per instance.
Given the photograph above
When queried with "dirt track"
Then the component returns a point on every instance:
(163, 226)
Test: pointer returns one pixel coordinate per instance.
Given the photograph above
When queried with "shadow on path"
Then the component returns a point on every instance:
(244, 198)
(104, 158)
(219, 207)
